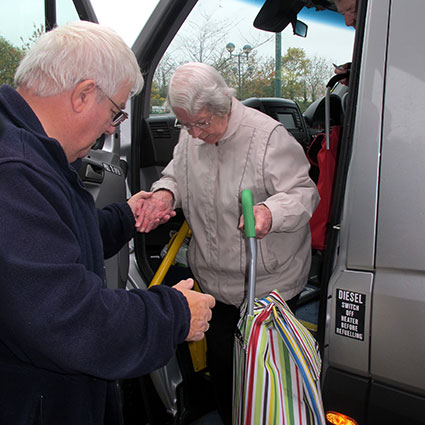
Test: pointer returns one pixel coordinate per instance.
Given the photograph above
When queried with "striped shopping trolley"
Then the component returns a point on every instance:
(276, 359)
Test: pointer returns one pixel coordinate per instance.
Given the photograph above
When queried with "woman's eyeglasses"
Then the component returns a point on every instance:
(187, 126)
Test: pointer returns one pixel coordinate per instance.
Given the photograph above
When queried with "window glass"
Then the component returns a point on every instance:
(126, 17)
(21, 23)
(19, 20)
(65, 12)
(221, 33)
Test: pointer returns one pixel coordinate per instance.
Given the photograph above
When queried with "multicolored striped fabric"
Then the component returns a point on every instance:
(276, 368)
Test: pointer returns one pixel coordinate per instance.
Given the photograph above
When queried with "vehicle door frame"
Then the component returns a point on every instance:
(149, 47)
(337, 207)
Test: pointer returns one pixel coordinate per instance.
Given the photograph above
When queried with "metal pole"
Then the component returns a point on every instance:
(239, 77)
(252, 274)
(278, 65)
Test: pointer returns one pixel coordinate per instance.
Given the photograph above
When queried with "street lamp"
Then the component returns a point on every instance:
(242, 55)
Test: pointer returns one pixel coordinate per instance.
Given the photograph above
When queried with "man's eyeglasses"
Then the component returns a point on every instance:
(119, 116)
(201, 125)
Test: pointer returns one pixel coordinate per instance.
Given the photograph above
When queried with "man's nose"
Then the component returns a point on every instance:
(110, 130)
(350, 20)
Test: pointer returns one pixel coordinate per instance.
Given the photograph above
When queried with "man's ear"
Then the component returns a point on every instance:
(83, 94)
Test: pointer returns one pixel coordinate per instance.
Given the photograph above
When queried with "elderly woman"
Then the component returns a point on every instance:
(225, 147)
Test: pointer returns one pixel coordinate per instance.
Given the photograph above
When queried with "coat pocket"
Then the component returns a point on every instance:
(267, 256)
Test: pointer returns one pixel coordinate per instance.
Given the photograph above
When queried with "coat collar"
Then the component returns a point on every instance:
(235, 119)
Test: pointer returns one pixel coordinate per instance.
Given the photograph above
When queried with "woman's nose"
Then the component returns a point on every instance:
(195, 132)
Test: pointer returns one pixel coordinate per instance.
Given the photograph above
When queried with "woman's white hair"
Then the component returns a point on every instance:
(69, 54)
(196, 86)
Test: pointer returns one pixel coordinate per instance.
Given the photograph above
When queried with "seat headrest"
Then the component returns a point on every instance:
(336, 113)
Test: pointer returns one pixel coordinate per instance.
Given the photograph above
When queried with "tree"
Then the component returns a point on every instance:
(37, 32)
(156, 98)
(256, 76)
(318, 73)
(294, 69)
(205, 40)
(163, 73)
(10, 56)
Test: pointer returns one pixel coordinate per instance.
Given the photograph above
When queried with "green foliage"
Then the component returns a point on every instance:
(303, 79)
(250, 76)
(156, 98)
(37, 32)
(294, 70)
(10, 56)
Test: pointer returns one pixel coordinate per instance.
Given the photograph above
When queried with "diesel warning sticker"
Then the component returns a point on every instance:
(350, 314)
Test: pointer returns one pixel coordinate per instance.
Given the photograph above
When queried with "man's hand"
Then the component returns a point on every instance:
(343, 69)
(263, 221)
(200, 306)
(154, 210)
(135, 201)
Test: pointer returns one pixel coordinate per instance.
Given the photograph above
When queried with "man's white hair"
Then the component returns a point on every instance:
(69, 54)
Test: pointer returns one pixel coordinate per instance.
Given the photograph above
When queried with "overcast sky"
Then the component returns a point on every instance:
(328, 40)
(332, 40)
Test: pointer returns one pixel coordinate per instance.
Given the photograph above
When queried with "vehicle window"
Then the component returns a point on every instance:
(19, 20)
(127, 17)
(65, 12)
(21, 23)
(221, 33)
(16, 34)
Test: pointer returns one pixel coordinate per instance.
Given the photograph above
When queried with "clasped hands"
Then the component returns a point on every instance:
(150, 209)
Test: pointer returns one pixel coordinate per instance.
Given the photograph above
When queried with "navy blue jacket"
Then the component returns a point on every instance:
(65, 337)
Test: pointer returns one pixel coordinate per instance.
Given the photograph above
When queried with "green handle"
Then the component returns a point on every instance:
(248, 213)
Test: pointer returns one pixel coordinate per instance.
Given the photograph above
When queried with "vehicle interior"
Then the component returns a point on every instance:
(159, 136)
(153, 149)
(133, 158)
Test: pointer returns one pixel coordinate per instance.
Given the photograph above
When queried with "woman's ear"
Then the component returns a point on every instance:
(83, 94)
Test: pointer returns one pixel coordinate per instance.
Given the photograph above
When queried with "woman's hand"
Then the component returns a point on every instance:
(263, 221)
(154, 210)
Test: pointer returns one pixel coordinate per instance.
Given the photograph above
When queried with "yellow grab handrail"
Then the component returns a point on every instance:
(197, 348)
(174, 245)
